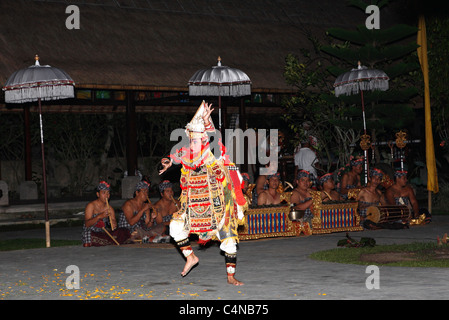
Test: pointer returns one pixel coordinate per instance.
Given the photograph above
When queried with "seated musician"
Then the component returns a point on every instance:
(401, 193)
(97, 215)
(328, 192)
(137, 217)
(271, 195)
(371, 195)
(166, 206)
(245, 188)
(246, 182)
(351, 179)
(261, 183)
(301, 197)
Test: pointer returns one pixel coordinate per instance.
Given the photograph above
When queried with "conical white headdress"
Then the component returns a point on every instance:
(197, 122)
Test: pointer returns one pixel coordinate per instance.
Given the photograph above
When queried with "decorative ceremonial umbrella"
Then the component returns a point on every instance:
(37, 83)
(355, 81)
(220, 81)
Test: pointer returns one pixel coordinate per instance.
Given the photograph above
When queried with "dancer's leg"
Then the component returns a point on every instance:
(229, 246)
(191, 258)
(181, 237)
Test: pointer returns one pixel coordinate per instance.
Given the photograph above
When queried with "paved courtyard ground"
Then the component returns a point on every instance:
(272, 269)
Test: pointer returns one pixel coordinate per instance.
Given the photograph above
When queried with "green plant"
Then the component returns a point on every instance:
(419, 254)
(22, 244)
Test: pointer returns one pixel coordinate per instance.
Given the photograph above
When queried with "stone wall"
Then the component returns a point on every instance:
(60, 180)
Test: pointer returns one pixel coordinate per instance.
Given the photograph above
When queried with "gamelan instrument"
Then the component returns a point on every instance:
(267, 222)
(333, 216)
(110, 236)
(151, 208)
(112, 226)
(110, 218)
(172, 199)
(382, 214)
(295, 214)
(149, 201)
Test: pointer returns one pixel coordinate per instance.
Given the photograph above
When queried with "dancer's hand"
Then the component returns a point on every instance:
(166, 163)
(207, 113)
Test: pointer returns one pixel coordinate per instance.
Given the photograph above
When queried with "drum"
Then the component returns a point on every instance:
(381, 214)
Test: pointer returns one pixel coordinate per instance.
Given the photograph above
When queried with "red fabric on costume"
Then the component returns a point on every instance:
(203, 242)
(187, 155)
(225, 156)
(238, 190)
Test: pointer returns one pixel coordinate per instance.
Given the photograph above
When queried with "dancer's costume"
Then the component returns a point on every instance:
(212, 201)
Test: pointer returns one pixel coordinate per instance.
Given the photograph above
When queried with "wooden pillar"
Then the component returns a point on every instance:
(131, 134)
(224, 115)
(27, 144)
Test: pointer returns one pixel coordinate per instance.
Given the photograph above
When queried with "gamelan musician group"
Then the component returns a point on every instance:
(139, 220)
(217, 202)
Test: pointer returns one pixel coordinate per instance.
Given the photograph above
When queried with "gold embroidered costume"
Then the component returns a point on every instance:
(211, 198)
(209, 205)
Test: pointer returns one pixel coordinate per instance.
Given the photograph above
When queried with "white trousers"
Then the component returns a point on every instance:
(178, 233)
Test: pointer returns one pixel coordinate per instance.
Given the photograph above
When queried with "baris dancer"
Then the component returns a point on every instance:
(211, 195)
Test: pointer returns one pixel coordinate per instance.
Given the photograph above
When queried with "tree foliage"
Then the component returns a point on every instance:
(438, 51)
(337, 122)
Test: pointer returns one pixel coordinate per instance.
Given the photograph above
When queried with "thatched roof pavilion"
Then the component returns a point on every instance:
(145, 51)
(158, 45)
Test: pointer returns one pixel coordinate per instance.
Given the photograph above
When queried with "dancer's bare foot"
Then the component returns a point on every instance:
(234, 281)
(192, 260)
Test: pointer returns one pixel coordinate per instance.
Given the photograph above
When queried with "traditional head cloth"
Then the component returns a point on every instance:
(311, 140)
(245, 176)
(303, 174)
(196, 126)
(400, 173)
(325, 177)
(376, 172)
(142, 185)
(103, 185)
(164, 185)
(356, 161)
(275, 175)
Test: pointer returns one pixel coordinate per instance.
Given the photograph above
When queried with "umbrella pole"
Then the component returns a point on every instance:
(364, 131)
(221, 129)
(363, 112)
(44, 176)
(219, 112)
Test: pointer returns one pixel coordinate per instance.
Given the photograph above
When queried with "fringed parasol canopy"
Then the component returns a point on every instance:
(220, 81)
(38, 82)
(360, 78)
(356, 81)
